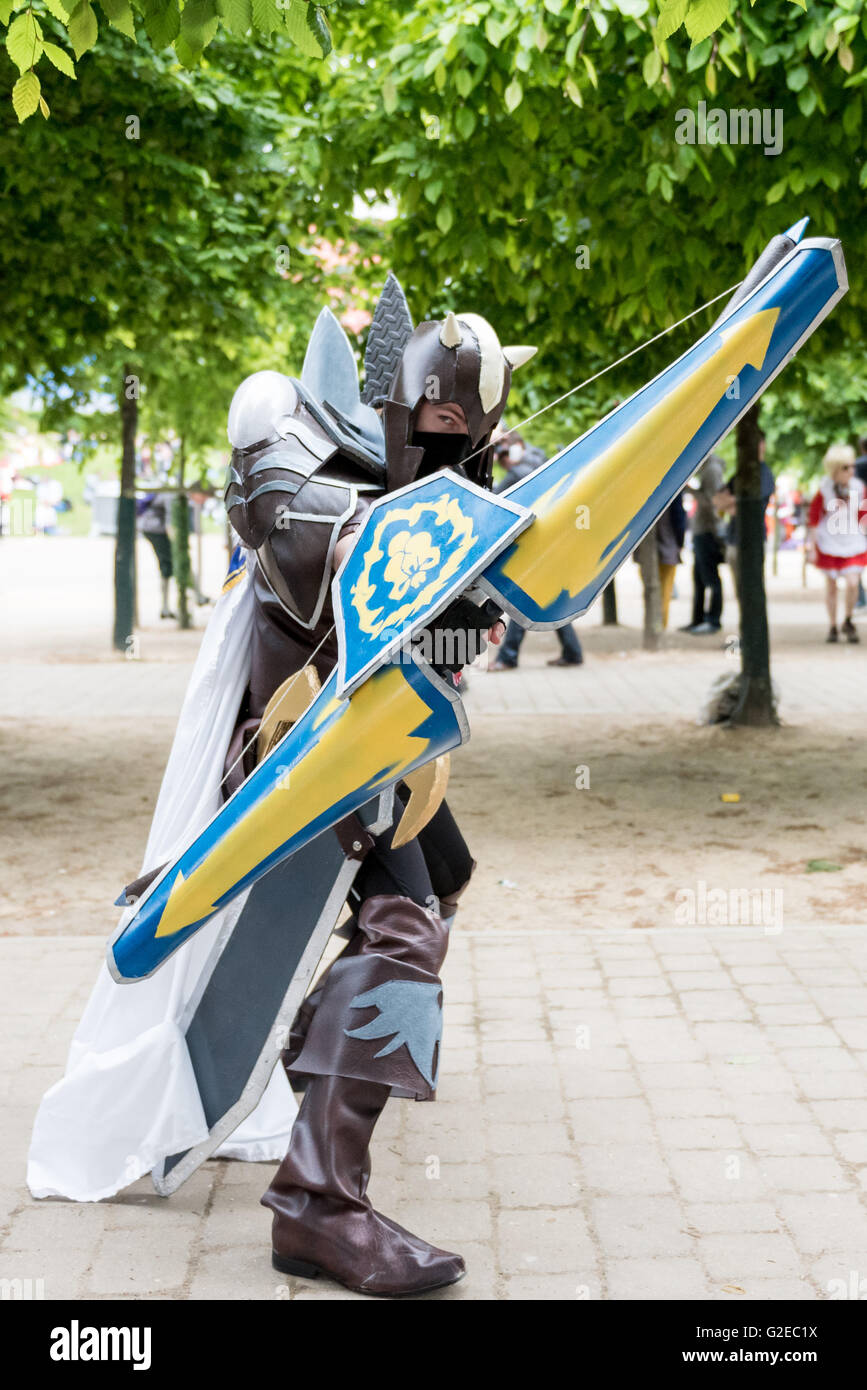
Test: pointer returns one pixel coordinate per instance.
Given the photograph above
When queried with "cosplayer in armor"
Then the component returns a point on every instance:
(302, 477)
(293, 788)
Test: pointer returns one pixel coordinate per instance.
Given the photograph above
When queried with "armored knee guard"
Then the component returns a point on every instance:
(379, 1017)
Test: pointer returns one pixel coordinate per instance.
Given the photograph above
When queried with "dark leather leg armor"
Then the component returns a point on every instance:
(379, 1017)
(304, 1017)
(375, 1027)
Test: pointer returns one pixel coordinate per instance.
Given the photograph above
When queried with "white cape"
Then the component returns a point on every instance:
(128, 1098)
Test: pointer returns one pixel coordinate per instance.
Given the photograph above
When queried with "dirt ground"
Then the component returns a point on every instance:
(76, 821)
(82, 763)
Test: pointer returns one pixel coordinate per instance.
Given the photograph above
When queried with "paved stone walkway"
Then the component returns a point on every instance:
(622, 1115)
(54, 644)
(669, 683)
(636, 1115)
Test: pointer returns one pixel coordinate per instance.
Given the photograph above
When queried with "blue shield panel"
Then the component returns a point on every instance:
(418, 549)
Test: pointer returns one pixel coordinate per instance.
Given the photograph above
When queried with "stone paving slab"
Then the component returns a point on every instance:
(662, 685)
(578, 1149)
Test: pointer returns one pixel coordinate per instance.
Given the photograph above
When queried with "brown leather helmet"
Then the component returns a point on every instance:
(460, 359)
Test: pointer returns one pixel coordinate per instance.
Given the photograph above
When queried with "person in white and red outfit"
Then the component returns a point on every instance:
(837, 534)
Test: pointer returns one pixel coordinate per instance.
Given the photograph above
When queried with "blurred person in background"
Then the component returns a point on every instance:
(726, 504)
(837, 534)
(520, 460)
(670, 532)
(707, 550)
(512, 452)
(861, 472)
(152, 519)
(49, 502)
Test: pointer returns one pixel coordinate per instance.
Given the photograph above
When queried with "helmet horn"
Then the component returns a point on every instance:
(450, 333)
(517, 356)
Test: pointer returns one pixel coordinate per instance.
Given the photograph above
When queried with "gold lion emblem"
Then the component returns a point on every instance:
(409, 559)
(418, 564)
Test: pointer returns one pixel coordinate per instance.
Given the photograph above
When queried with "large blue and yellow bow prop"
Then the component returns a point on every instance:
(544, 550)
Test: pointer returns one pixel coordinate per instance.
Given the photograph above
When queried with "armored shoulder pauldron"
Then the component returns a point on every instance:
(288, 496)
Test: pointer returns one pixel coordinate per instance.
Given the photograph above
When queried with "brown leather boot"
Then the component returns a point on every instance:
(323, 1220)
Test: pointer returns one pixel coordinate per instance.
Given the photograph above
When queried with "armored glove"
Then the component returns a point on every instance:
(457, 636)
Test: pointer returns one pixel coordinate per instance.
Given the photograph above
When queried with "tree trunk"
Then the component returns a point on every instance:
(755, 703)
(124, 554)
(648, 562)
(181, 544)
(609, 605)
(197, 518)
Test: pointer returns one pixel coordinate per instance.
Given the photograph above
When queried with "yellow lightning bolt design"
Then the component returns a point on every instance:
(552, 555)
(374, 732)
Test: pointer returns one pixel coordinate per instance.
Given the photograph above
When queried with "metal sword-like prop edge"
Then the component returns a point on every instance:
(544, 550)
